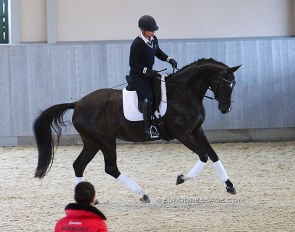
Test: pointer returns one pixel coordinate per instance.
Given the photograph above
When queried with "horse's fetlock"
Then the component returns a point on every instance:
(113, 171)
(204, 158)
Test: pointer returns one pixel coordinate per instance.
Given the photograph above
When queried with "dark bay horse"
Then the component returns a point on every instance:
(99, 119)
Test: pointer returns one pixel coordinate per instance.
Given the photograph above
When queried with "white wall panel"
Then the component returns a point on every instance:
(93, 20)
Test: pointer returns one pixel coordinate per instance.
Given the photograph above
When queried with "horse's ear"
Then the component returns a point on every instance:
(233, 69)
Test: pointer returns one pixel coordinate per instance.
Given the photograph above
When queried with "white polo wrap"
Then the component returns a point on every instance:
(131, 184)
(220, 171)
(79, 180)
(195, 171)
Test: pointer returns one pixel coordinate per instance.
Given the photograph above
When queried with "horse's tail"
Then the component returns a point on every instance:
(46, 125)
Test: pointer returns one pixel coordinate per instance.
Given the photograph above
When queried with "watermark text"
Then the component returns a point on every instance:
(200, 200)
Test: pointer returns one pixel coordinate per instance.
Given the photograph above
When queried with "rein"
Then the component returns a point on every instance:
(127, 83)
(178, 86)
(174, 85)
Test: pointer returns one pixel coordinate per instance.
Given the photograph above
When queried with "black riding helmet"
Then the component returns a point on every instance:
(148, 23)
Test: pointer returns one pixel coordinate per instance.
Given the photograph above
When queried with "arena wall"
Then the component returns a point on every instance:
(61, 50)
(36, 76)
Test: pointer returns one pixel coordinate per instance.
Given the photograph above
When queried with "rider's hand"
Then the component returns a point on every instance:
(173, 63)
(152, 73)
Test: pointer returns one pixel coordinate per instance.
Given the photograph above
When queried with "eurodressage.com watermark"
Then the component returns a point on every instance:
(200, 200)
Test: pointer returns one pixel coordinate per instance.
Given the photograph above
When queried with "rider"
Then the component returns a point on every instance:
(143, 50)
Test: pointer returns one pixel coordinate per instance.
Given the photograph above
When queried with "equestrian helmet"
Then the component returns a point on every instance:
(148, 23)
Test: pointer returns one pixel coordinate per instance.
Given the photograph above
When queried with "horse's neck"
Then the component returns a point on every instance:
(192, 82)
(194, 78)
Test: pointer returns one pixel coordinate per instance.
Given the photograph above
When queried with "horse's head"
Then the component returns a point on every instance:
(222, 86)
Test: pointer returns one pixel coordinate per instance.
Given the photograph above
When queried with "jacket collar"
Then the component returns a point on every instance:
(145, 39)
(90, 208)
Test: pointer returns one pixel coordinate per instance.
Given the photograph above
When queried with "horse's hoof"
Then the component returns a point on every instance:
(231, 190)
(145, 199)
(96, 202)
(180, 179)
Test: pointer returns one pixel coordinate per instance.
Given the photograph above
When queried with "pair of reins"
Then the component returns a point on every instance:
(172, 84)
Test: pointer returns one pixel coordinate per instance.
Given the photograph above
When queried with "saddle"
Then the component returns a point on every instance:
(159, 105)
(156, 92)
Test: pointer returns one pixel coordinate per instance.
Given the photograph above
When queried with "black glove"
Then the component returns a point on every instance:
(173, 63)
(152, 73)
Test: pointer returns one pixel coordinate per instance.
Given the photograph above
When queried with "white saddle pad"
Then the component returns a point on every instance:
(130, 103)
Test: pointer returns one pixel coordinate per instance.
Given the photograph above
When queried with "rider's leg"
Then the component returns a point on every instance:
(143, 85)
(149, 130)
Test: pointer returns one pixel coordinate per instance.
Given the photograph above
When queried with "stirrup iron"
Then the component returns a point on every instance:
(154, 135)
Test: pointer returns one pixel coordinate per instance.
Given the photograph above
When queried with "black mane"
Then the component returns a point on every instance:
(204, 61)
(201, 62)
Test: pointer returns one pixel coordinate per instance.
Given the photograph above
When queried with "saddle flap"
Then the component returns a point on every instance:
(156, 92)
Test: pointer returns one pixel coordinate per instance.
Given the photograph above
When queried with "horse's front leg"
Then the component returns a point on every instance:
(224, 177)
(218, 166)
(198, 143)
(193, 143)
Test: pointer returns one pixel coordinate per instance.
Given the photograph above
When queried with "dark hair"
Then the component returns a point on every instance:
(84, 192)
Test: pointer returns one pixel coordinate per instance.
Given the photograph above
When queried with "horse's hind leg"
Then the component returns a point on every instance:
(110, 158)
(87, 154)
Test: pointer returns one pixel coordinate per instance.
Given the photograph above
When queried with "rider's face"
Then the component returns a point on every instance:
(148, 34)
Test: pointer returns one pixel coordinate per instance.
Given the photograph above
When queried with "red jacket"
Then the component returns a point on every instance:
(80, 217)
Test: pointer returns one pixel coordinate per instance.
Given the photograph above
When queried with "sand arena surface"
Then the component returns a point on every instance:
(263, 174)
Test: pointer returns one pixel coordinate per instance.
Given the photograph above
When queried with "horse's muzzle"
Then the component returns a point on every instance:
(224, 109)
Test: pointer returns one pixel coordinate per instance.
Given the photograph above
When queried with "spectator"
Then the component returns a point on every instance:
(82, 215)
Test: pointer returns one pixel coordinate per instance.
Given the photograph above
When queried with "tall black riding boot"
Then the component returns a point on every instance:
(150, 131)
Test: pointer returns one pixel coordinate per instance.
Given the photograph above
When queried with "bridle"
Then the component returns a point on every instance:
(216, 97)
(220, 79)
